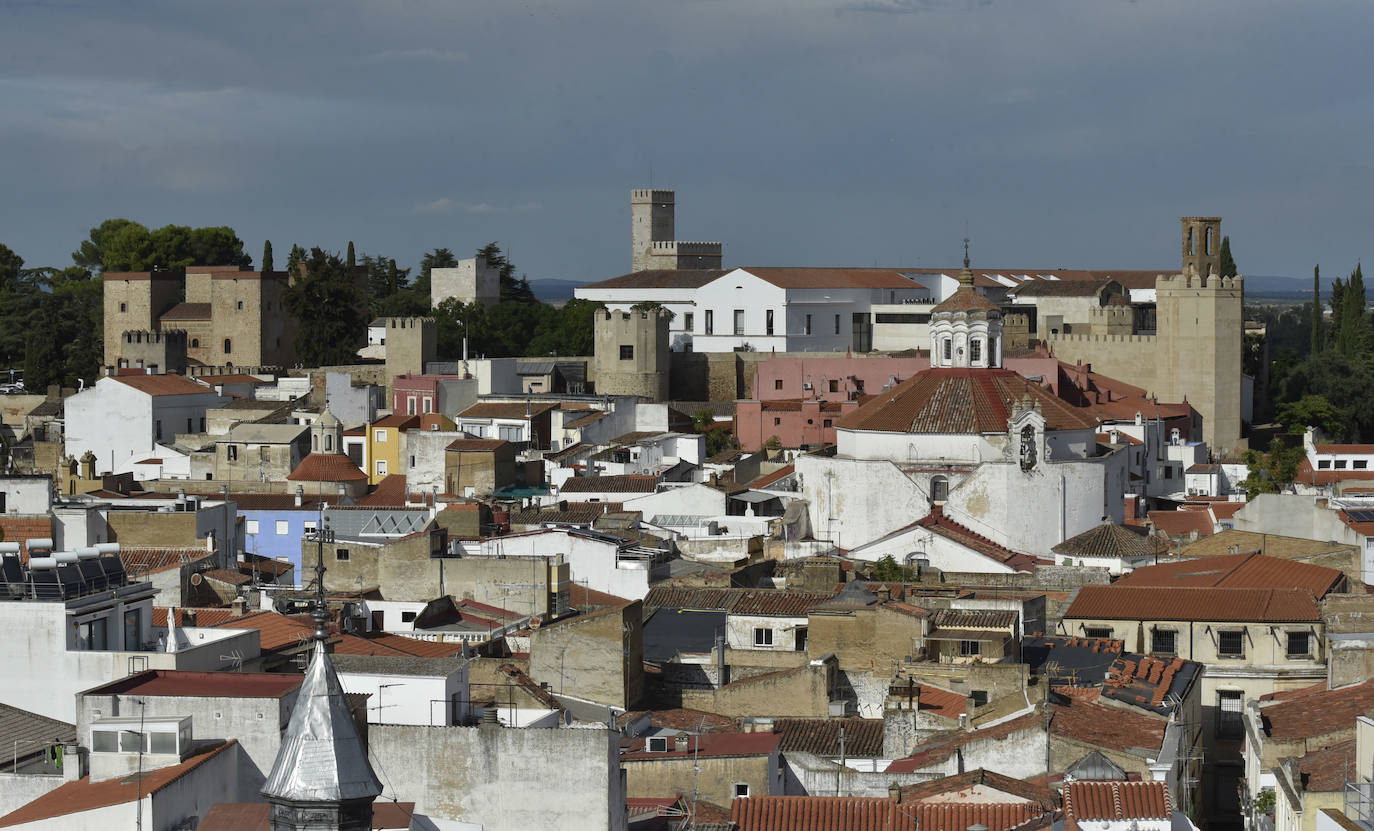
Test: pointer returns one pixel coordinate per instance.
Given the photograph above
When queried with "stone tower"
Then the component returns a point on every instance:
(135, 301)
(652, 227)
(1200, 321)
(410, 344)
(1201, 245)
(632, 354)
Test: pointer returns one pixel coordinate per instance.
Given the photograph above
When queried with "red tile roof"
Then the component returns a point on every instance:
(21, 528)
(1250, 571)
(824, 278)
(1317, 713)
(1179, 523)
(863, 737)
(769, 478)
(626, 483)
(1086, 799)
(224, 575)
(961, 401)
(140, 561)
(85, 795)
(327, 467)
(1327, 770)
(1347, 449)
(680, 718)
(707, 744)
(275, 631)
(164, 385)
(389, 493)
(995, 816)
(816, 813)
(956, 784)
(942, 748)
(476, 445)
(202, 684)
(397, 421)
(1309, 476)
(514, 410)
(204, 616)
(686, 278)
(937, 523)
(1108, 727)
(1198, 604)
(775, 603)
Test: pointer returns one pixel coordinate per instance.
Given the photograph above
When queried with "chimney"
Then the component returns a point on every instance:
(237, 607)
(884, 593)
(300, 495)
(1130, 507)
(894, 792)
(680, 743)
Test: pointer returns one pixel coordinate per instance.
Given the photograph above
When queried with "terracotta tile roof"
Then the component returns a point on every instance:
(254, 564)
(691, 597)
(1039, 794)
(187, 311)
(203, 616)
(1198, 604)
(771, 602)
(1105, 726)
(816, 813)
(680, 718)
(965, 300)
(164, 385)
(507, 410)
(224, 575)
(705, 744)
(686, 278)
(1226, 510)
(1285, 695)
(1248, 571)
(1318, 713)
(626, 483)
(1111, 540)
(1327, 770)
(1309, 476)
(1089, 800)
(1180, 523)
(276, 631)
(389, 493)
(824, 278)
(85, 795)
(381, 644)
(397, 421)
(581, 596)
(961, 401)
(21, 528)
(939, 701)
(143, 561)
(476, 445)
(191, 683)
(863, 737)
(938, 523)
(1347, 449)
(577, 513)
(769, 478)
(942, 748)
(995, 816)
(326, 467)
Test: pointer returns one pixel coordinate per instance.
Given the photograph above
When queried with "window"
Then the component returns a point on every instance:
(429, 402)
(133, 629)
(1360, 464)
(1323, 464)
(739, 321)
(1231, 643)
(407, 617)
(948, 348)
(939, 489)
(762, 636)
(657, 744)
(341, 554)
(240, 305)
(412, 461)
(410, 405)
(92, 635)
(250, 526)
(980, 697)
(380, 435)
(742, 789)
(975, 350)
(807, 330)
(130, 741)
(104, 741)
(381, 467)
(970, 649)
(777, 384)
(710, 322)
(1340, 464)
(1104, 632)
(1163, 641)
(195, 343)
(228, 346)
(627, 352)
(1299, 644)
(687, 320)
(162, 743)
(828, 423)
(283, 527)
(1168, 471)
(768, 322)
(309, 525)
(837, 324)
(799, 639)
(777, 421)
(124, 307)
(202, 425)
(1229, 705)
(231, 452)
(834, 385)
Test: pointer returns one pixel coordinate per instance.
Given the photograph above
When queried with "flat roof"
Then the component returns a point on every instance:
(204, 684)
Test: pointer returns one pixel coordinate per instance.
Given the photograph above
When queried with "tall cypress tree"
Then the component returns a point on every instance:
(1333, 332)
(1228, 265)
(267, 256)
(1354, 328)
(1316, 309)
(351, 261)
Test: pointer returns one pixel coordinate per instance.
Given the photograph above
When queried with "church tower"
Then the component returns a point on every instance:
(326, 434)
(1201, 245)
(966, 328)
(321, 779)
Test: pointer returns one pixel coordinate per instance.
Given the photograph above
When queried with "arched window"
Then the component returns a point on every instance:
(329, 442)
(228, 346)
(949, 348)
(939, 489)
(195, 343)
(1190, 246)
(975, 350)
(1207, 241)
(316, 442)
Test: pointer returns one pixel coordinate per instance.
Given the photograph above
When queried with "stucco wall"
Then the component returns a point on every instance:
(598, 657)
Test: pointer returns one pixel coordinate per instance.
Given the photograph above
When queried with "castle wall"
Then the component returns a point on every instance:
(133, 302)
(1134, 359)
(632, 355)
(472, 281)
(1201, 321)
(164, 350)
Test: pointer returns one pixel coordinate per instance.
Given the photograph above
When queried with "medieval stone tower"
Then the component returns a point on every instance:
(652, 227)
(632, 354)
(410, 344)
(1200, 331)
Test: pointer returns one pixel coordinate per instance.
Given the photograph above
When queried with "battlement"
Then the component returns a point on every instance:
(690, 248)
(1111, 313)
(409, 322)
(1194, 282)
(632, 316)
(642, 195)
(173, 337)
(1148, 340)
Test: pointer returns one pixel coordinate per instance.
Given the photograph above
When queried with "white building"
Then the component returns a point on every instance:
(122, 418)
(420, 691)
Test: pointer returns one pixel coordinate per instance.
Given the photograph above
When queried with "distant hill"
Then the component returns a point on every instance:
(554, 291)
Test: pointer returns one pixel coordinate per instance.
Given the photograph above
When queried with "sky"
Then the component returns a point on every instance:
(1054, 133)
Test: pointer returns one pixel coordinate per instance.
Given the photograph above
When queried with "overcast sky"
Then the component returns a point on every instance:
(807, 132)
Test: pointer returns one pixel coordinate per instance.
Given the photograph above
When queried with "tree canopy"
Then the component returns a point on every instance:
(125, 245)
(329, 309)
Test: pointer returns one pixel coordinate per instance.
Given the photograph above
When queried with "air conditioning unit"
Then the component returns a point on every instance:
(806, 386)
(657, 744)
(839, 708)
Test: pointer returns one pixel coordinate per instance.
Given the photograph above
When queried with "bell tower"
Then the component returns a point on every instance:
(1202, 245)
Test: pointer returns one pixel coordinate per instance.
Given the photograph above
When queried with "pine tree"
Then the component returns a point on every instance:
(1228, 265)
(1316, 309)
(267, 256)
(351, 261)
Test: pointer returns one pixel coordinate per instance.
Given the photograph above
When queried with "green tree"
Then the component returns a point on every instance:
(1315, 411)
(267, 255)
(1353, 338)
(1273, 471)
(329, 311)
(1333, 333)
(1228, 265)
(388, 289)
(11, 264)
(295, 259)
(178, 246)
(91, 253)
(352, 261)
(513, 289)
(1316, 309)
(570, 330)
(70, 314)
(888, 570)
(438, 258)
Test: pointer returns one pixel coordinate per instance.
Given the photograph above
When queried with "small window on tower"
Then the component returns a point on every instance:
(975, 350)
(627, 352)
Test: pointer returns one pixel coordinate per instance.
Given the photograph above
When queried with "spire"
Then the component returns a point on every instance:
(965, 253)
(966, 276)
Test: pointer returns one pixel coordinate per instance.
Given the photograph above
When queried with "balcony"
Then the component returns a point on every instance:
(1359, 803)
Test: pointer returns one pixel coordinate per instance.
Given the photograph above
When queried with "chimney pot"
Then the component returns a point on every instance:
(680, 743)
